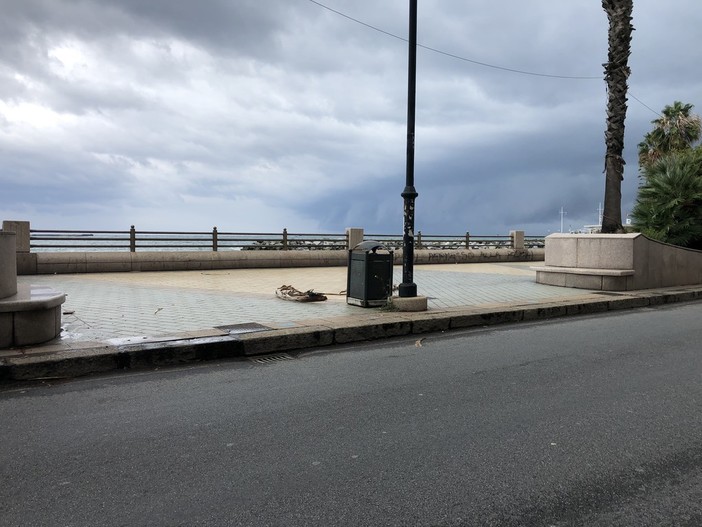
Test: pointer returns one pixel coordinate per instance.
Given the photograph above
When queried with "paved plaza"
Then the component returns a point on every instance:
(131, 320)
(113, 307)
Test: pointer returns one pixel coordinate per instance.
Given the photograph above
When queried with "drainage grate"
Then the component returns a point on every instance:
(266, 359)
(238, 329)
(608, 293)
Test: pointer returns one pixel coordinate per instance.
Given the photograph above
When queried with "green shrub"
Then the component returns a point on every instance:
(669, 205)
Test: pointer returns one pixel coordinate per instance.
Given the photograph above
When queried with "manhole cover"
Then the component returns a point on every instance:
(266, 359)
(238, 329)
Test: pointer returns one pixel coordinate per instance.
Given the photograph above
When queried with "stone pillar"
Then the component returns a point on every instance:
(354, 237)
(517, 239)
(26, 260)
(8, 264)
(21, 229)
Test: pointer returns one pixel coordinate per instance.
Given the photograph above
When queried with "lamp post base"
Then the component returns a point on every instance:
(407, 290)
(414, 303)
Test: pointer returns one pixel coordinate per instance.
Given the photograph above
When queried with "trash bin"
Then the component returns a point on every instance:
(369, 280)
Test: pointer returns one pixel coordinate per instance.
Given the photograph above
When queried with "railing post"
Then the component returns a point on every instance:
(467, 240)
(214, 239)
(517, 239)
(285, 239)
(23, 234)
(419, 239)
(354, 236)
(132, 239)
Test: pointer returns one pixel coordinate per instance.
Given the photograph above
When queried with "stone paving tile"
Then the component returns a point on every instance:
(121, 310)
(136, 305)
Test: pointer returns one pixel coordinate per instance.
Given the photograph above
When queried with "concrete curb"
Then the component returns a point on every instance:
(365, 327)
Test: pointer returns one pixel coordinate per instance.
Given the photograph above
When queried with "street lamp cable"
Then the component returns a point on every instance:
(452, 55)
(471, 61)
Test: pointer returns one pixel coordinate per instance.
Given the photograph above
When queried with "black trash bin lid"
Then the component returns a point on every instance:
(368, 246)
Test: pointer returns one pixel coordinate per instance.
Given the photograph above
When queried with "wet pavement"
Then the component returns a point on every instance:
(144, 319)
(106, 306)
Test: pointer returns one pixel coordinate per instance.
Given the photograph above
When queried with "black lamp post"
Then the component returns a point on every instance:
(408, 288)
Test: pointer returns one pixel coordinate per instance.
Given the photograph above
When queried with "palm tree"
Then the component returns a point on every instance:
(669, 205)
(677, 129)
(616, 75)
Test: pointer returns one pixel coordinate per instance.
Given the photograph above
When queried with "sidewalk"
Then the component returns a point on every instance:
(128, 320)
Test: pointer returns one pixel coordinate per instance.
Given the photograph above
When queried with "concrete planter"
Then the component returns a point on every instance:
(617, 262)
(28, 314)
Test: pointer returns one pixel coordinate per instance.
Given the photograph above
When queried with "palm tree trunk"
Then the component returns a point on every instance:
(616, 75)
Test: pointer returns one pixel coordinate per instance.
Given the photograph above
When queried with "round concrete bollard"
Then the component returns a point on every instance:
(8, 264)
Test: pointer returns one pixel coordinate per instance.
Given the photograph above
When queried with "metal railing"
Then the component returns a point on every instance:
(442, 241)
(77, 239)
(133, 240)
(534, 242)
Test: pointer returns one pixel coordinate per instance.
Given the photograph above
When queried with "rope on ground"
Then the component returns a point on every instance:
(288, 292)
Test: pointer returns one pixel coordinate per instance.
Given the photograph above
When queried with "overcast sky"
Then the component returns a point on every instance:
(255, 115)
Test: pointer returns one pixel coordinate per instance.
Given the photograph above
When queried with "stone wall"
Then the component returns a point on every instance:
(111, 262)
(29, 263)
(617, 262)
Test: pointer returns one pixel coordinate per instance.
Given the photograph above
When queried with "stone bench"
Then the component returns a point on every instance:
(31, 316)
(584, 277)
(617, 262)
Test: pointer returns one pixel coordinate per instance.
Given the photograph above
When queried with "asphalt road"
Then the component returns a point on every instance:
(591, 421)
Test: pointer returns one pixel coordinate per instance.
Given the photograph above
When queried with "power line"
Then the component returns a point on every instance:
(359, 21)
(464, 59)
(471, 61)
(643, 103)
(511, 70)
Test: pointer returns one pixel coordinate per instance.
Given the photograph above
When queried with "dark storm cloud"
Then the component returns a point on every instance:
(56, 178)
(491, 189)
(248, 26)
